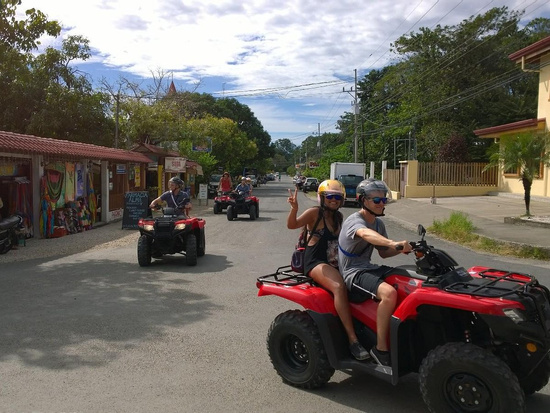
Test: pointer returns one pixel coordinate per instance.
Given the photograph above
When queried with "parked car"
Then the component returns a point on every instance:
(213, 183)
(253, 179)
(311, 184)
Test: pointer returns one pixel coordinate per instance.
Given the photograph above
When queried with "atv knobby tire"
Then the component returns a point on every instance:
(462, 377)
(252, 212)
(537, 379)
(230, 214)
(201, 250)
(144, 251)
(217, 208)
(297, 352)
(191, 250)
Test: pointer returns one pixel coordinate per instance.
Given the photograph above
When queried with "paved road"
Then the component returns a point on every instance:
(94, 332)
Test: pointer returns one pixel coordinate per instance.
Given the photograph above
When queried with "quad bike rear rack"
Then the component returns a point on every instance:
(285, 276)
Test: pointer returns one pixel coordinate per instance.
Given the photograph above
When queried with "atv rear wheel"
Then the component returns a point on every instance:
(191, 250)
(144, 251)
(297, 352)
(466, 378)
(230, 213)
(537, 379)
(252, 212)
(202, 244)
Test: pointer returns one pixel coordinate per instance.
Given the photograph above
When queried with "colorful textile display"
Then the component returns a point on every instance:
(92, 200)
(79, 176)
(69, 181)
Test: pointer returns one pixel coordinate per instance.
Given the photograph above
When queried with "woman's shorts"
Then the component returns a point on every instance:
(365, 283)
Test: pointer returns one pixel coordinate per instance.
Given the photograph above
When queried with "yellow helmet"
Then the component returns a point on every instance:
(331, 186)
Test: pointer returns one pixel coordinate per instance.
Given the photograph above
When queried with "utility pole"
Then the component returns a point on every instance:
(355, 113)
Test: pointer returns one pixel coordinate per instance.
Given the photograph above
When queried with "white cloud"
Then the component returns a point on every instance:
(260, 44)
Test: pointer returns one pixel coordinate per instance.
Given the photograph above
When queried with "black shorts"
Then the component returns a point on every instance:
(365, 284)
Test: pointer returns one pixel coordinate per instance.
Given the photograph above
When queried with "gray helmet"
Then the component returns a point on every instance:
(366, 187)
(179, 182)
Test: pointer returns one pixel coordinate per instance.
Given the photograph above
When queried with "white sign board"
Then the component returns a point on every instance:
(174, 164)
(203, 191)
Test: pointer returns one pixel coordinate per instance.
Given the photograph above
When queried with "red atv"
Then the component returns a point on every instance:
(171, 233)
(478, 339)
(221, 202)
(238, 203)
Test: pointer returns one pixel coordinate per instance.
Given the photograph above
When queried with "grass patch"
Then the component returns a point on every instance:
(458, 228)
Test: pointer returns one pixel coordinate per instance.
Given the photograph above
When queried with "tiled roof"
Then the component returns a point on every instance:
(532, 52)
(29, 144)
(522, 125)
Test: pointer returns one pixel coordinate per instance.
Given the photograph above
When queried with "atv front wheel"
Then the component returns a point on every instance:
(191, 250)
(252, 212)
(217, 208)
(230, 213)
(202, 244)
(144, 251)
(297, 352)
(461, 377)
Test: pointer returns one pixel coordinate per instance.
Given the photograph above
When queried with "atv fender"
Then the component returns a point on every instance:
(310, 297)
(408, 307)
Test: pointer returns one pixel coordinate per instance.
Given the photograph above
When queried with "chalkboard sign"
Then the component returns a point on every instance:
(135, 207)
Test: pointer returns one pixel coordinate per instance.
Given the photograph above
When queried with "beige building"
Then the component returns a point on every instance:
(536, 55)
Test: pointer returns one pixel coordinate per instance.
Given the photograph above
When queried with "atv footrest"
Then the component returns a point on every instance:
(285, 276)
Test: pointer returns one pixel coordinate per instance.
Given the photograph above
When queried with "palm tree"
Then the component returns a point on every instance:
(525, 153)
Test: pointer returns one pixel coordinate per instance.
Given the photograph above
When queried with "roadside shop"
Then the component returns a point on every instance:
(61, 187)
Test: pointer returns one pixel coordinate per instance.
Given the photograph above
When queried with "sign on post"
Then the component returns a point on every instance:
(203, 191)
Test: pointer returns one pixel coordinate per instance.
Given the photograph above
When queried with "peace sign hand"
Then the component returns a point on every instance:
(293, 199)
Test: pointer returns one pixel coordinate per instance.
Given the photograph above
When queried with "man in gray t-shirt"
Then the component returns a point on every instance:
(361, 233)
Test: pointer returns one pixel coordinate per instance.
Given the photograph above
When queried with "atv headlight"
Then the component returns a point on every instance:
(514, 314)
(180, 226)
(148, 227)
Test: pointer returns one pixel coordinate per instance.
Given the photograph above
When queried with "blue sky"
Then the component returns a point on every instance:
(287, 60)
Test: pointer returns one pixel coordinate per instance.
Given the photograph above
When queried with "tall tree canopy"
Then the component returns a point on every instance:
(445, 83)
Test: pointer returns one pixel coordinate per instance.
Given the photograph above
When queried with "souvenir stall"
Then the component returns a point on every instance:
(16, 191)
(68, 204)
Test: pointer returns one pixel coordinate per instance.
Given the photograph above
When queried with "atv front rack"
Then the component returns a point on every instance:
(495, 283)
(285, 276)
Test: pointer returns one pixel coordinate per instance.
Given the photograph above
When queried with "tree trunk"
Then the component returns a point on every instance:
(527, 197)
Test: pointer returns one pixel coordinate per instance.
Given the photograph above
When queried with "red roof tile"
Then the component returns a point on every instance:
(29, 144)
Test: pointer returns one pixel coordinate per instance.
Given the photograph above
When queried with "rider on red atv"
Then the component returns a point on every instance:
(243, 188)
(361, 233)
(225, 183)
(176, 197)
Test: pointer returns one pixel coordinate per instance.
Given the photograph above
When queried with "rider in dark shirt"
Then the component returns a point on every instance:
(176, 197)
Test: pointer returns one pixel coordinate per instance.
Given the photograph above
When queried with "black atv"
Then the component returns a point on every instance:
(238, 203)
(171, 233)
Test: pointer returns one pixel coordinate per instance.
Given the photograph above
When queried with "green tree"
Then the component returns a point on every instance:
(525, 153)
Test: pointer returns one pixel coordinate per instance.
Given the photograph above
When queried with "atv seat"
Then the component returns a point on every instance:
(408, 271)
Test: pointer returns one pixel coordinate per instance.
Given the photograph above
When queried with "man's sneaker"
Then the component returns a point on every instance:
(382, 358)
(358, 351)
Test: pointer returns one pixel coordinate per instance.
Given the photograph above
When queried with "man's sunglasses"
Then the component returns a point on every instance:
(378, 199)
(334, 196)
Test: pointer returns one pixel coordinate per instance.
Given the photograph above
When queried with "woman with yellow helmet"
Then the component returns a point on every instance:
(321, 254)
